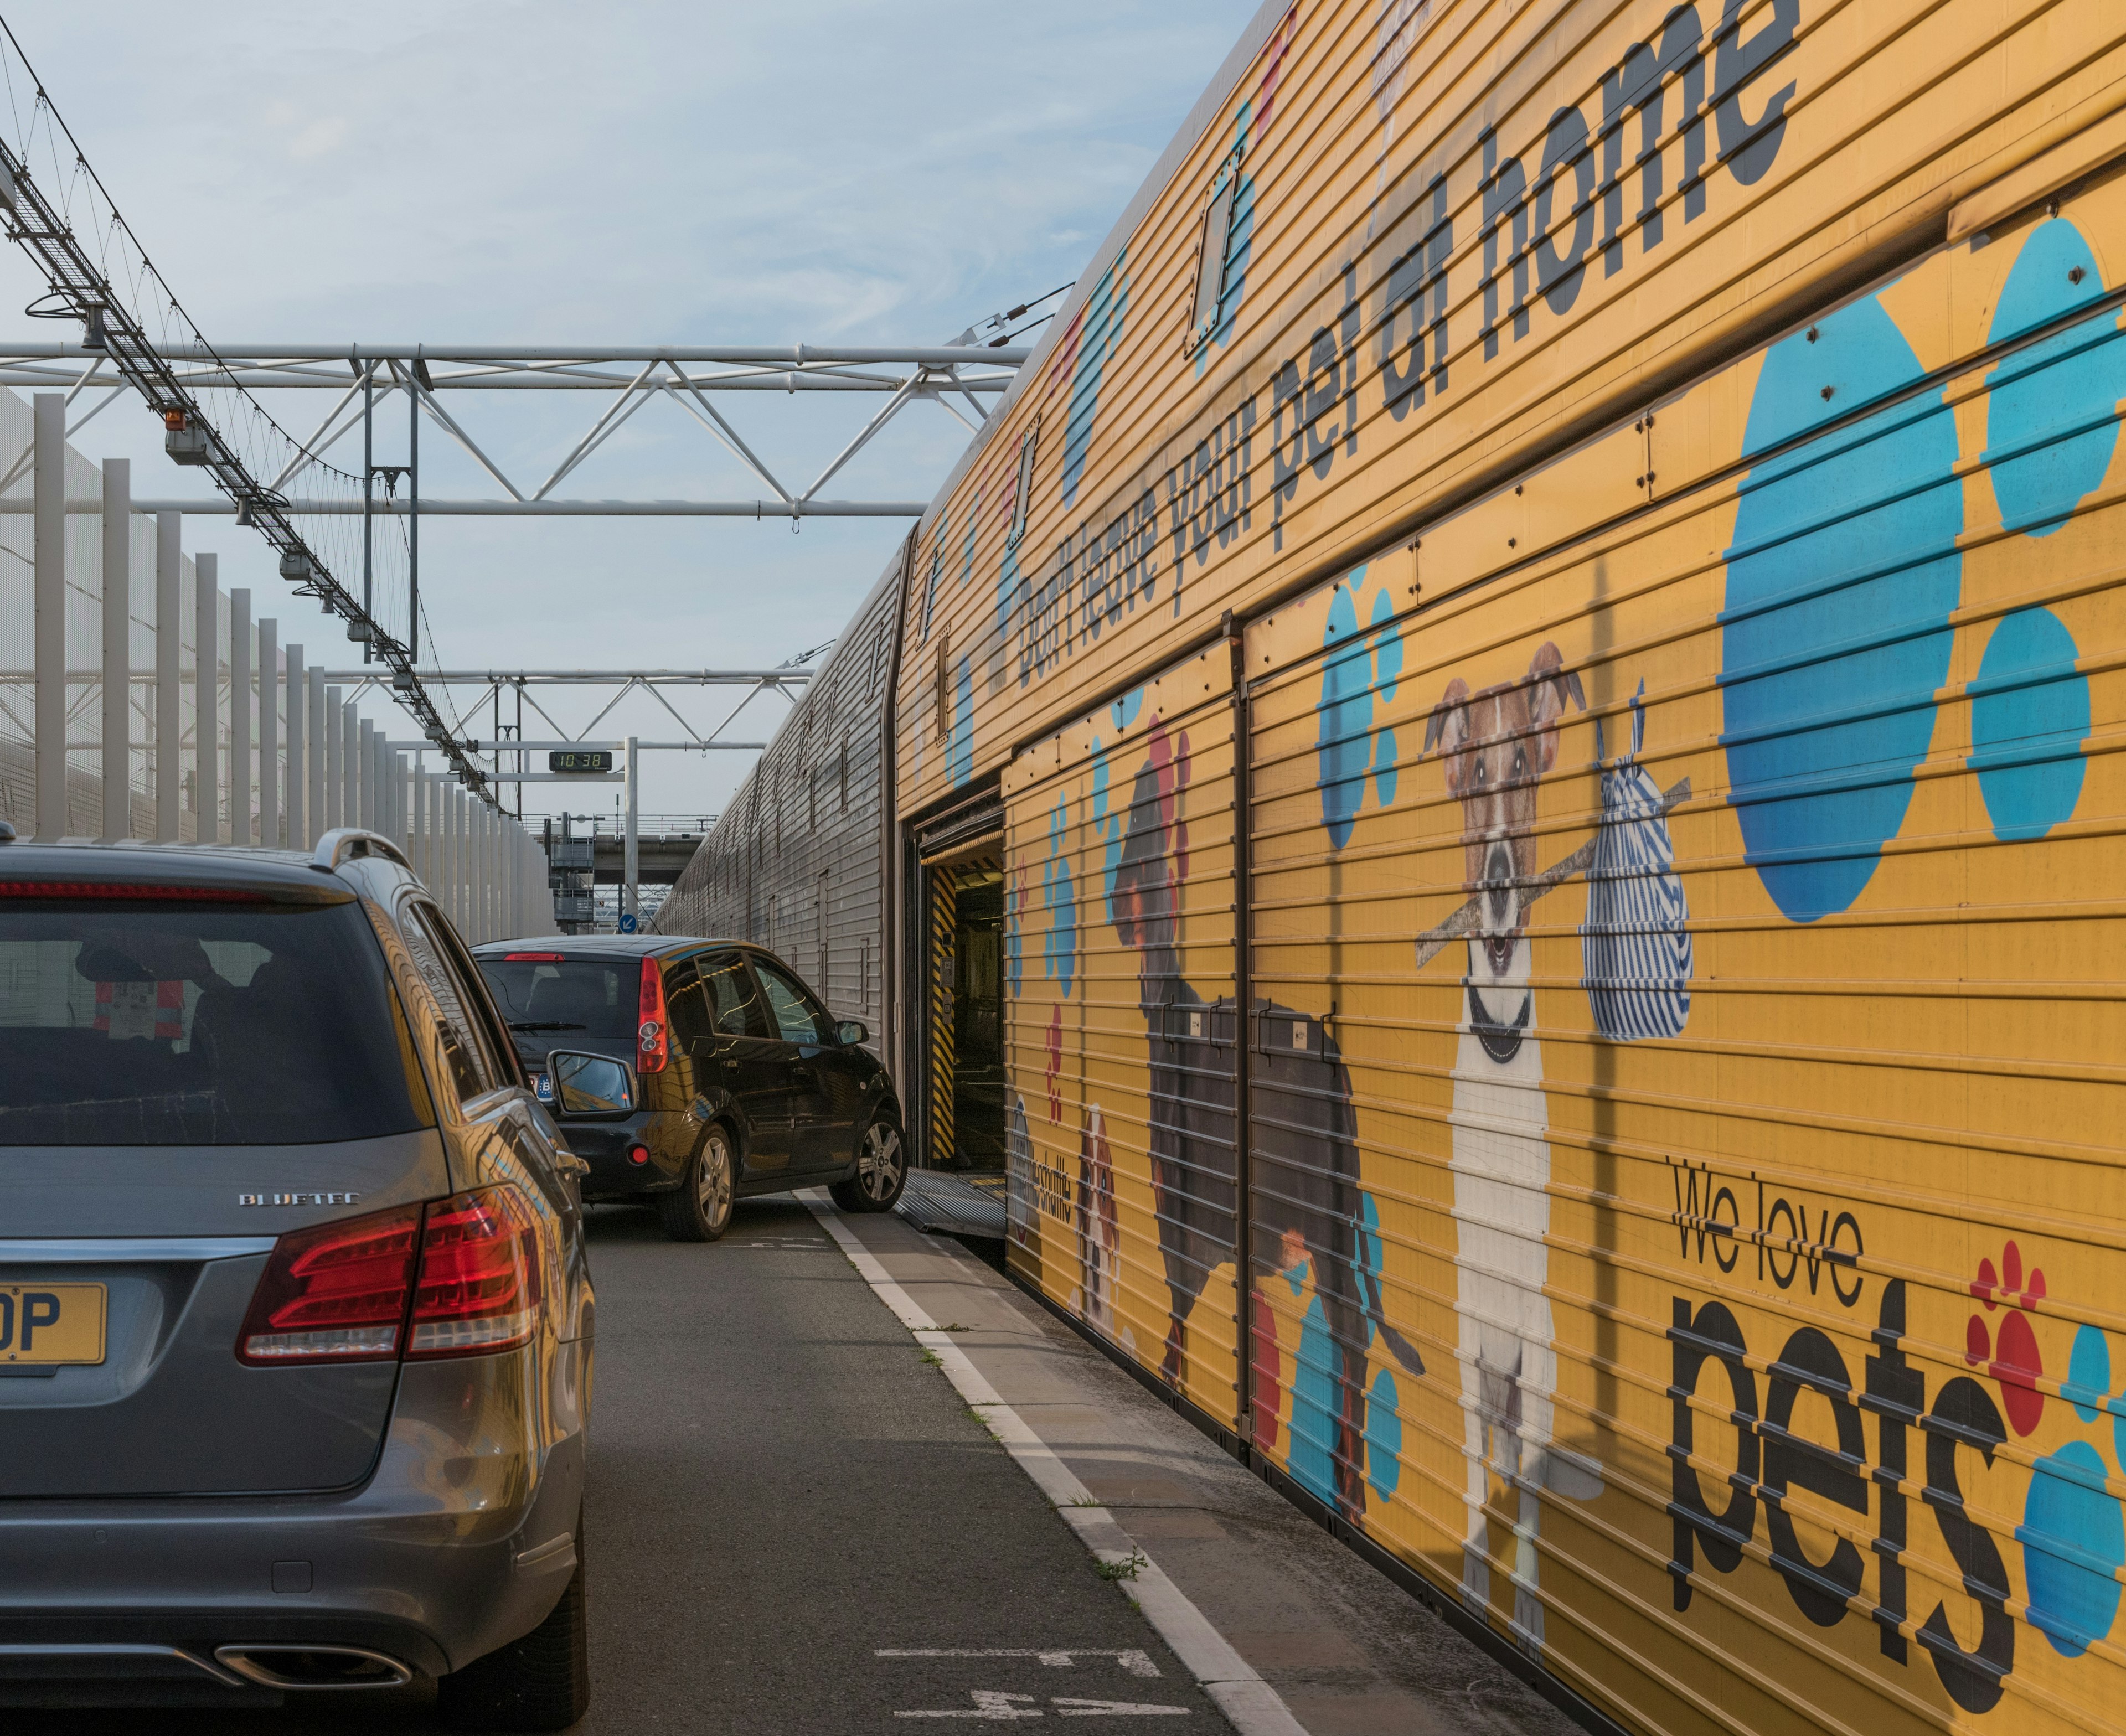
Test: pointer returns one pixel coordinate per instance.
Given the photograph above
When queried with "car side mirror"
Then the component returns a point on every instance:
(850, 1032)
(590, 1084)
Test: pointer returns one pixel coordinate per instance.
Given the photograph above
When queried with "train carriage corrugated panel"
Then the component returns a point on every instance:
(1121, 1035)
(794, 862)
(1462, 235)
(1686, 1200)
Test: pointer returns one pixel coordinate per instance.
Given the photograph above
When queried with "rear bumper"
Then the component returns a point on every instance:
(461, 1540)
(668, 1139)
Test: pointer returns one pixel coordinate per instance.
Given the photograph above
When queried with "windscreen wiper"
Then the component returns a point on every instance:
(544, 1025)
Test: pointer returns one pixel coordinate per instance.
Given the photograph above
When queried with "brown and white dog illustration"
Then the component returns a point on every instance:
(1495, 745)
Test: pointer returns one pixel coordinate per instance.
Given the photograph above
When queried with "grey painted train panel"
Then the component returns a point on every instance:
(794, 863)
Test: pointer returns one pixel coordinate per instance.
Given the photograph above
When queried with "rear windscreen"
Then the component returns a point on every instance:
(198, 1024)
(561, 997)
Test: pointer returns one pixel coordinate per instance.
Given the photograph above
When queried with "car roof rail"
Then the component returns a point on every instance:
(351, 843)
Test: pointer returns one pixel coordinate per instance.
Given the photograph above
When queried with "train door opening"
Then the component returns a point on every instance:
(978, 1020)
(964, 1018)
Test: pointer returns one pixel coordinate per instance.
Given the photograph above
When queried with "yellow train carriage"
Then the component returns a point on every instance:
(1711, 919)
(1542, 651)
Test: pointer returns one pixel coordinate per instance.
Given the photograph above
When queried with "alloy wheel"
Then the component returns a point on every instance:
(713, 1179)
(878, 1165)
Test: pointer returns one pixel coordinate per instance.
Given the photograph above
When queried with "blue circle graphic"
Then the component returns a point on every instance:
(2030, 711)
(1841, 581)
(2088, 1373)
(2051, 419)
(1343, 744)
(2074, 1538)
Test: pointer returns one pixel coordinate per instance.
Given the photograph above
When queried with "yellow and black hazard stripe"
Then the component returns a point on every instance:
(944, 921)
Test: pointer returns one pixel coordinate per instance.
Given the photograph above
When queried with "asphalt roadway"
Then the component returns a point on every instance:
(795, 1526)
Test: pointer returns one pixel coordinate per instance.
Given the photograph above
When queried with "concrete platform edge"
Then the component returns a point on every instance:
(1251, 1704)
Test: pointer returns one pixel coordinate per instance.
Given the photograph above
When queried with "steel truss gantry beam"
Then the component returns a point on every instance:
(953, 375)
(491, 686)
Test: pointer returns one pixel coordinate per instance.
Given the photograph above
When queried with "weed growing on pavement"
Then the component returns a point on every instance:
(931, 1357)
(1126, 1568)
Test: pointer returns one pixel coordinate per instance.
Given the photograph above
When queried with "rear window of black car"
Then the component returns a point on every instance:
(545, 997)
(199, 1024)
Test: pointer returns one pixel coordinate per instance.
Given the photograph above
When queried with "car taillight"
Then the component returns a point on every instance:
(146, 892)
(457, 1277)
(335, 1293)
(479, 1287)
(651, 1049)
(534, 958)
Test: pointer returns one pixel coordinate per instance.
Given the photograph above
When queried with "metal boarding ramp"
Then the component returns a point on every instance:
(947, 1204)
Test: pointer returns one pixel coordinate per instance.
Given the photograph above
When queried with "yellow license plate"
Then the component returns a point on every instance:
(51, 1322)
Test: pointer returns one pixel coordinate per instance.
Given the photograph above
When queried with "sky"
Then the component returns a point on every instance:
(524, 172)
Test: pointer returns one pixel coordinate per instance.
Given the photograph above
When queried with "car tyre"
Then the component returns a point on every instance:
(541, 1681)
(699, 1209)
(881, 1172)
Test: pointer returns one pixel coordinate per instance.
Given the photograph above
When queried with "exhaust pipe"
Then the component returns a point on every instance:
(306, 1668)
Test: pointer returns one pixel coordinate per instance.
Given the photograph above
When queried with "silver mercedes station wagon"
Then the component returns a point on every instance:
(296, 1324)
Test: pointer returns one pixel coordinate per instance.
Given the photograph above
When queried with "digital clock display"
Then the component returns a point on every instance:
(579, 761)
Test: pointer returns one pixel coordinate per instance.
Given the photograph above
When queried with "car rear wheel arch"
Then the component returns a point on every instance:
(686, 1211)
(863, 1189)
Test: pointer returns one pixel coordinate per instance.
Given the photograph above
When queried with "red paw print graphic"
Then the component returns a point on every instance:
(2010, 1354)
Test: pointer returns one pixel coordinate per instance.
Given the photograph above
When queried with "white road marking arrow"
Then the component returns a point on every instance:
(1115, 1709)
(989, 1703)
(994, 1704)
(1137, 1662)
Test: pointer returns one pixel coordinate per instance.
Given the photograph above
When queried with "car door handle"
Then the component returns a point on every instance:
(570, 1165)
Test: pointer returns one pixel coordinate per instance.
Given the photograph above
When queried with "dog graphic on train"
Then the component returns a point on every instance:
(1496, 744)
(1308, 1204)
(1099, 1232)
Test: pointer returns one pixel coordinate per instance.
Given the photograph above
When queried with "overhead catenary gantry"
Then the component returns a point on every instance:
(966, 379)
(506, 745)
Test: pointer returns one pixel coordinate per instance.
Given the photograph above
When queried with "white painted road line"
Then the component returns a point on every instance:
(1253, 1707)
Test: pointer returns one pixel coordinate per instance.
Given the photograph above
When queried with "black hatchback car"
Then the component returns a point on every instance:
(738, 1080)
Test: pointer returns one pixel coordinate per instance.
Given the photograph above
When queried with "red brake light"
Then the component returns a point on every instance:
(479, 1287)
(334, 1293)
(462, 1273)
(136, 889)
(651, 1049)
(534, 958)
